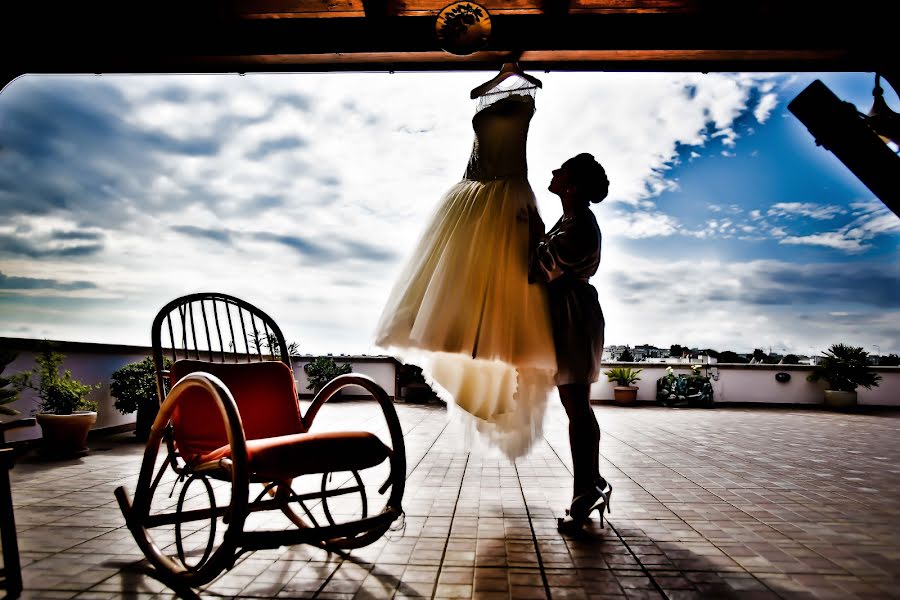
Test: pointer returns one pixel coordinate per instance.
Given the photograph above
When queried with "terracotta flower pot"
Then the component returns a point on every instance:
(625, 395)
(839, 399)
(65, 436)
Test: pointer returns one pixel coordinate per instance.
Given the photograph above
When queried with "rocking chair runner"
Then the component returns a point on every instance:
(230, 419)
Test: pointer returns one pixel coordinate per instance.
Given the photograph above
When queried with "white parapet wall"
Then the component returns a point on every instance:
(754, 383)
(383, 369)
(90, 363)
(95, 363)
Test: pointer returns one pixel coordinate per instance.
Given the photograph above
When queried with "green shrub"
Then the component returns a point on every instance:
(134, 385)
(845, 368)
(323, 369)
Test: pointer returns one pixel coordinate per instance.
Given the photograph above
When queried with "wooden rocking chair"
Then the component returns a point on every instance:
(237, 445)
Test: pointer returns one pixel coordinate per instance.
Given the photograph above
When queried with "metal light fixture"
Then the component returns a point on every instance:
(884, 121)
(463, 28)
(856, 139)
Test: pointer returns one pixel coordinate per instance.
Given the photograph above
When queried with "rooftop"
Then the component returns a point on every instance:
(722, 503)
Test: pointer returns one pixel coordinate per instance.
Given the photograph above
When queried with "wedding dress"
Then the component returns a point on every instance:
(462, 308)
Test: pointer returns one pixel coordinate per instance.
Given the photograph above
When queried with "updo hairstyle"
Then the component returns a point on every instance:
(588, 177)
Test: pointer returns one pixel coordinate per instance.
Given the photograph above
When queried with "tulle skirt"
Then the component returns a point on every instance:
(463, 310)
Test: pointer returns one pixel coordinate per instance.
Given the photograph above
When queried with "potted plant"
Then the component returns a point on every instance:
(844, 368)
(321, 370)
(688, 390)
(624, 393)
(134, 388)
(64, 412)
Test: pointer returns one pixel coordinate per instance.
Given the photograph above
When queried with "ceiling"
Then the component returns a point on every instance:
(166, 36)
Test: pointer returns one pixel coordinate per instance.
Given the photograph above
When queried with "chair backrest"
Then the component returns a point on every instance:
(216, 328)
(238, 343)
(266, 398)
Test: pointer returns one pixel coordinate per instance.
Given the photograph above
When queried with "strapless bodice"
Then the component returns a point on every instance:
(501, 131)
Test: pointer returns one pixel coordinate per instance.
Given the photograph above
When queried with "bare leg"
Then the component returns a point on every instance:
(584, 435)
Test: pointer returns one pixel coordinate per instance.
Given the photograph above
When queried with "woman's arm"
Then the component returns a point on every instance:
(568, 246)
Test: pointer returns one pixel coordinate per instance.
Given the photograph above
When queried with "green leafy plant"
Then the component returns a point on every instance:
(59, 394)
(845, 368)
(691, 390)
(624, 376)
(9, 392)
(323, 369)
(134, 385)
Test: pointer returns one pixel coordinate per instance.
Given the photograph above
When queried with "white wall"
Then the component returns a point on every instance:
(756, 383)
(383, 372)
(735, 383)
(93, 366)
(89, 367)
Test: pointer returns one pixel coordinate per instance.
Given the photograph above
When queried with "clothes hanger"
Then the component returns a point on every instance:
(509, 69)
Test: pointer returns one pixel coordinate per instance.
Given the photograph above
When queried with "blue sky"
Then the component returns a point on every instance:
(726, 226)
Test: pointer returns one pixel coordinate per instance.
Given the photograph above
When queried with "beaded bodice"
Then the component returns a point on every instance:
(501, 132)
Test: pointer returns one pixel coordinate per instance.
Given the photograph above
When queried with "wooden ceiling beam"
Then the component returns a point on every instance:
(555, 8)
(218, 36)
(376, 9)
(305, 9)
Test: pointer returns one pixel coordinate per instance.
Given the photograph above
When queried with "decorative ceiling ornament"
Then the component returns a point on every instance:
(463, 28)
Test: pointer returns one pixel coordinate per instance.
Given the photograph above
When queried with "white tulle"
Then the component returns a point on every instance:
(464, 312)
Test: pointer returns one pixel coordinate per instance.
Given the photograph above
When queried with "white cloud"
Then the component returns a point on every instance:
(831, 239)
(636, 134)
(764, 108)
(364, 159)
(804, 209)
(728, 135)
(636, 225)
(872, 219)
(743, 304)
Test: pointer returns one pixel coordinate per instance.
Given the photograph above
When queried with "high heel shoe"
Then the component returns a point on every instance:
(605, 488)
(580, 510)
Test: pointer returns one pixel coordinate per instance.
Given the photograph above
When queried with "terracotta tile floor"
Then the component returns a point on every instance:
(723, 503)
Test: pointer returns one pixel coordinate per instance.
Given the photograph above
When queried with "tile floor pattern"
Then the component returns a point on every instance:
(725, 503)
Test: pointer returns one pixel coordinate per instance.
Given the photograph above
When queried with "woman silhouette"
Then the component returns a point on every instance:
(565, 258)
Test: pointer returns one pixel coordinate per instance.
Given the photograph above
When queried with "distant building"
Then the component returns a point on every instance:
(612, 353)
(646, 351)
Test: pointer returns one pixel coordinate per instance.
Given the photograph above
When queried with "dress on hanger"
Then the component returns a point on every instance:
(462, 308)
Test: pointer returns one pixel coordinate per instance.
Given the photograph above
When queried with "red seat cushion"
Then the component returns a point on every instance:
(266, 398)
(304, 453)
